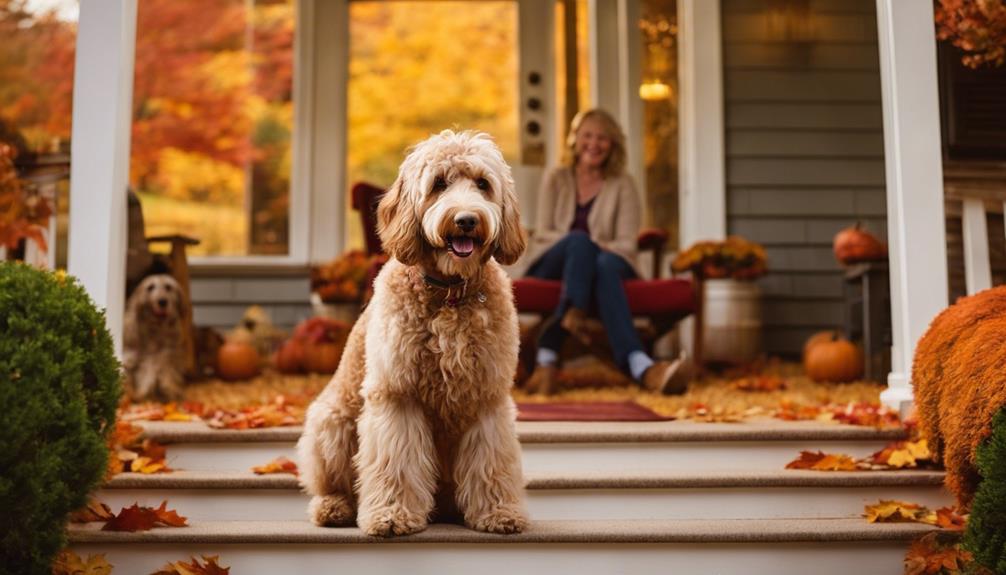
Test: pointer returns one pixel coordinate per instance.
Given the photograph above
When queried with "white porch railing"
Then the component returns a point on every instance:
(981, 190)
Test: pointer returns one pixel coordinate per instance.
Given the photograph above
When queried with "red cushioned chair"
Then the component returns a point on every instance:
(663, 302)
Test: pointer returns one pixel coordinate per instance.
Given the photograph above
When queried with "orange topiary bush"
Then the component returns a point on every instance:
(959, 376)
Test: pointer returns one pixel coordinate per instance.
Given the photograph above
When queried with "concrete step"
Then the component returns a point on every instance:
(780, 546)
(569, 447)
(207, 496)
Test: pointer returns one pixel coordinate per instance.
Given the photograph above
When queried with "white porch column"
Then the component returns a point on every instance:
(99, 172)
(915, 220)
(702, 185)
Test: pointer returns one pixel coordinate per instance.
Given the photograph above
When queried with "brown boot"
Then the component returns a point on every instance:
(542, 380)
(575, 322)
(668, 377)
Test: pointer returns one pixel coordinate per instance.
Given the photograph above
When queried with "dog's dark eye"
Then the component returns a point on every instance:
(167, 287)
(482, 184)
(439, 184)
(150, 288)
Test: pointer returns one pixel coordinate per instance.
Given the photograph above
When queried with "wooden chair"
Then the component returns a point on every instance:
(141, 262)
(662, 301)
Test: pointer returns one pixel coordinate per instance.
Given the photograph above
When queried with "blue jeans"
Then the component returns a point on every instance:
(589, 276)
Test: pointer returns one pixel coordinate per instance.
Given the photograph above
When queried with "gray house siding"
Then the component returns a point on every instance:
(219, 301)
(804, 153)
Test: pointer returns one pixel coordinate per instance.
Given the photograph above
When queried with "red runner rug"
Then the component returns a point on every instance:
(587, 411)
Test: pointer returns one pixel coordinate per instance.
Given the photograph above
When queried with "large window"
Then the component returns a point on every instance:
(213, 122)
(418, 67)
(659, 92)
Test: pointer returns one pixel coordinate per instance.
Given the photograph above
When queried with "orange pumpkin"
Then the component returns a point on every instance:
(322, 357)
(832, 358)
(237, 360)
(290, 357)
(819, 337)
(853, 245)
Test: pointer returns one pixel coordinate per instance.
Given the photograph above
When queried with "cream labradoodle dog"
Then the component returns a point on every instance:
(153, 352)
(418, 418)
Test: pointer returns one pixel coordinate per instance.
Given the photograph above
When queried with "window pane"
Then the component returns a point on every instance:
(213, 121)
(36, 93)
(418, 67)
(659, 92)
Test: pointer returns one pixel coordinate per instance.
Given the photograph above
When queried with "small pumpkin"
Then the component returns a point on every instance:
(237, 360)
(290, 357)
(853, 245)
(829, 357)
(819, 337)
(322, 357)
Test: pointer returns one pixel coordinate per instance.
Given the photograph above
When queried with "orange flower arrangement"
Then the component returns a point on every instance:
(343, 280)
(735, 258)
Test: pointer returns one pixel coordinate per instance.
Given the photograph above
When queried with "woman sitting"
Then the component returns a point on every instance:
(588, 220)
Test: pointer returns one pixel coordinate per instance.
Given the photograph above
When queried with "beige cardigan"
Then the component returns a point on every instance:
(613, 220)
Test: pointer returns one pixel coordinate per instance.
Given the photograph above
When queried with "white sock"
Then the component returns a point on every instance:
(639, 362)
(547, 356)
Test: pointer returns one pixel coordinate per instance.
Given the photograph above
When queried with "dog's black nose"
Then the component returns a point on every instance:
(163, 302)
(466, 222)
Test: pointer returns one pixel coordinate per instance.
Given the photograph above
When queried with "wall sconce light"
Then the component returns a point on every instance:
(654, 91)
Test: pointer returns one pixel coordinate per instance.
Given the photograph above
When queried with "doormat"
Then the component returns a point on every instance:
(587, 411)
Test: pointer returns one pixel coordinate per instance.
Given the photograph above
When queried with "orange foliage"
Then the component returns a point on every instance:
(137, 518)
(960, 384)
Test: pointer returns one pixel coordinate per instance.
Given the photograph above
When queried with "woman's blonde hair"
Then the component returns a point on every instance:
(615, 164)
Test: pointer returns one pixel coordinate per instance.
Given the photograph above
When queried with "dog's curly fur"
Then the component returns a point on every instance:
(153, 352)
(959, 375)
(418, 417)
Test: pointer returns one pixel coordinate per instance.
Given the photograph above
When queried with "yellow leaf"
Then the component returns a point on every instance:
(69, 563)
(901, 458)
(894, 512)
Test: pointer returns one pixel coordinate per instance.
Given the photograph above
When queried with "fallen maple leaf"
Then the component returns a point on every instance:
(194, 568)
(895, 512)
(137, 518)
(948, 518)
(903, 454)
(94, 511)
(927, 556)
(820, 461)
(69, 563)
(279, 465)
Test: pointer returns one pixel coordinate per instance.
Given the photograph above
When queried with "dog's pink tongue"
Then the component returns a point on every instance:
(462, 246)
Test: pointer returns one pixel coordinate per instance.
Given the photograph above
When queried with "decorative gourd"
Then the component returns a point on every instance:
(322, 357)
(833, 359)
(290, 357)
(237, 360)
(853, 245)
(322, 340)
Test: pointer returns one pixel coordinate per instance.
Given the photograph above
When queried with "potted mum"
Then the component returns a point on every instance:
(729, 297)
(339, 287)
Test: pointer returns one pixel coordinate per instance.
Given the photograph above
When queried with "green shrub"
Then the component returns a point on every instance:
(985, 536)
(59, 386)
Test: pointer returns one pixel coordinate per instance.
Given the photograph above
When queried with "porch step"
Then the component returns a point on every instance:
(568, 447)
(822, 546)
(612, 496)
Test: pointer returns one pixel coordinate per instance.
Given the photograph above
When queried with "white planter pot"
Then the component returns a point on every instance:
(732, 332)
(347, 312)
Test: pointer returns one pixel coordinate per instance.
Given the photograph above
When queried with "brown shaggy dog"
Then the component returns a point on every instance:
(419, 416)
(959, 376)
(153, 353)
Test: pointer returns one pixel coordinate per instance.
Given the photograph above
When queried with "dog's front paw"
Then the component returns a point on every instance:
(501, 520)
(330, 510)
(388, 521)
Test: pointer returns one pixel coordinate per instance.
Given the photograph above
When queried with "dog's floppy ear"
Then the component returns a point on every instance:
(398, 225)
(512, 239)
